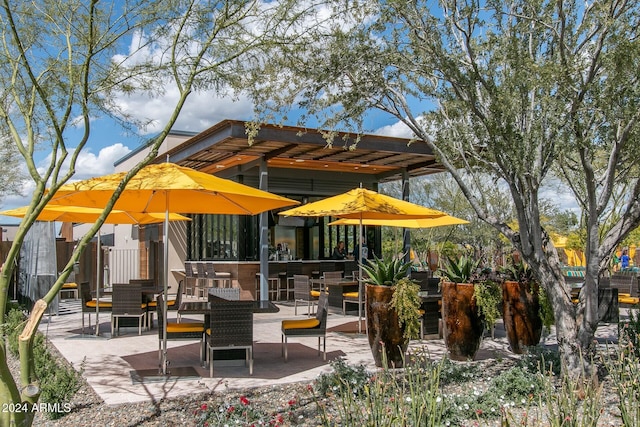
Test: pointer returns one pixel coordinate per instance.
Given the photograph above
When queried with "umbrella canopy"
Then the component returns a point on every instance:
(88, 215)
(82, 214)
(361, 203)
(405, 223)
(169, 187)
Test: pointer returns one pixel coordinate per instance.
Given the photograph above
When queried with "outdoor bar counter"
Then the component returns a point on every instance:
(243, 273)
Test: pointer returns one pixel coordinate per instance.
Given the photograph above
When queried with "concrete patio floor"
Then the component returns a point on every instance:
(108, 362)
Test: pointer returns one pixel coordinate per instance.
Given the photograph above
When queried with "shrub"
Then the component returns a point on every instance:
(344, 377)
(58, 381)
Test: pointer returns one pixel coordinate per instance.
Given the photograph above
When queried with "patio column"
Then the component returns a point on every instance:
(406, 235)
(264, 237)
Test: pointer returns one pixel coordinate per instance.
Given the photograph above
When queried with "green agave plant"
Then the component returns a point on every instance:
(460, 270)
(385, 273)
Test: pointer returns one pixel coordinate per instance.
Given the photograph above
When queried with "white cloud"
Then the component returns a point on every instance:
(397, 130)
(201, 111)
(88, 165)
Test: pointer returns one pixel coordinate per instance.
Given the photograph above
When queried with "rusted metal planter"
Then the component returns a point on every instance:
(521, 314)
(462, 325)
(385, 334)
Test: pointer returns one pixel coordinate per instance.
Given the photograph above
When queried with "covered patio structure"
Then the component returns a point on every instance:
(294, 162)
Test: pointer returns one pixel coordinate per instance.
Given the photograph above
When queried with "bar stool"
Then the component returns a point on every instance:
(273, 285)
(217, 277)
(201, 281)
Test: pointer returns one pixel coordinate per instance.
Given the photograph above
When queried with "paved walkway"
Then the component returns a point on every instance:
(108, 362)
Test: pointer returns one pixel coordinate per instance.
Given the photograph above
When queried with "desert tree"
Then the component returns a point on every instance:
(66, 63)
(512, 89)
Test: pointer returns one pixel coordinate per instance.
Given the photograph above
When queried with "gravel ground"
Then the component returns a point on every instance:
(292, 401)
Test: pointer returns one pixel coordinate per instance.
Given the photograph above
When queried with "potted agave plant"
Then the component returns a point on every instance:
(392, 308)
(524, 306)
(462, 322)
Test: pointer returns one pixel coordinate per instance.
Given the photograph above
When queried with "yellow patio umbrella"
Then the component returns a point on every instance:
(81, 214)
(167, 187)
(171, 188)
(361, 204)
(405, 223)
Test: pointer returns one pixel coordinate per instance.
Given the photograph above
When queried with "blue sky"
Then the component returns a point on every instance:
(108, 142)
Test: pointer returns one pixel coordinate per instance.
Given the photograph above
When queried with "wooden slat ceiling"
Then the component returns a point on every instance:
(225, 146)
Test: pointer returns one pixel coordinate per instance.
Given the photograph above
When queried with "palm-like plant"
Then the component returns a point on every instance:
(460, 270)
(385, 273)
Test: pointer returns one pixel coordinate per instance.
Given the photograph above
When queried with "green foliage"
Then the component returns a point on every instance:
(407, 304)
(58, 381)
(240, 411)
(408, 397)
(15, 322)
(343, 377)
(624, 371)
(540, 359)
(488, 297)
(629, 332)
(571, 402)
(385, 273)
(518, 272)
(513, 387)
(460, 270)
(458, 372)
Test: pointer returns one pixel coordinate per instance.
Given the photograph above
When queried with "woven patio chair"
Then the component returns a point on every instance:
(230, 328)
(316, 327)
(302, 293)
(231, 294)
(127, 302)
(89, 303)
(178, 331)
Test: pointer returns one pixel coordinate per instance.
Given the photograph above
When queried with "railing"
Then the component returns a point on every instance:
(123, 264)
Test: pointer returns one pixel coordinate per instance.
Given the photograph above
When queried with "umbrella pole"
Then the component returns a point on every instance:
(98, 272)
(165, 279)
(360, 287)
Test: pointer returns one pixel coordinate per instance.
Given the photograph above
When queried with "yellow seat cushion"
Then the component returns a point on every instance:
(185, 327)
(350, 294)
(103, 304)
(315, 294)
(170, 303)
(300, 324)
(628, 300)
(70, 286)
(622, 294)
